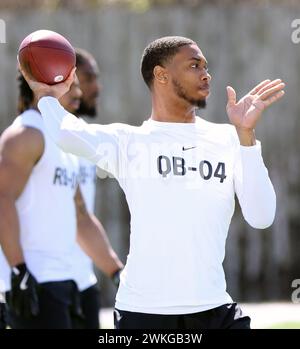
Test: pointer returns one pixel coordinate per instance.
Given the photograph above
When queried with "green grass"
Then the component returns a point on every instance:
(286, 325)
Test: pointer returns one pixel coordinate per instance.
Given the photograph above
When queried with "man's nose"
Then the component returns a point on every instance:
(98, 88)
(78, 93)
(206, 77)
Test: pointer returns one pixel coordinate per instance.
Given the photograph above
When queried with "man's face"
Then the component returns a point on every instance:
(71, 100)
(188, 75)
(88, 74)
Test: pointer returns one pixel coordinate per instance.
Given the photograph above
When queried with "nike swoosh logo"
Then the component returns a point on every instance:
(188, 148)
(23, 284)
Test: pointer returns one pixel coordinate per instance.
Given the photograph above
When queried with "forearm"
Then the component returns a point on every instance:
(257, 196)
(10, 232)
(93, 239)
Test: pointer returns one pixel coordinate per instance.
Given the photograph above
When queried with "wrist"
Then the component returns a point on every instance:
(19, 268)
(246, 136)
(115, 277)
(44, 94)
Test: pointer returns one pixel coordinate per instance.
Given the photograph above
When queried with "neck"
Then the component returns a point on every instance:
(171, 110)
(34, 106)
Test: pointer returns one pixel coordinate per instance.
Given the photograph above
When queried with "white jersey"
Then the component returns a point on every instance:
(4, 273)
(180, 181)
(46, 208)
(87, 182)
(83, 272)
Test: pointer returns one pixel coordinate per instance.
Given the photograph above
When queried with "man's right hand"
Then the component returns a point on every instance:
(41, 90)
(24, 294)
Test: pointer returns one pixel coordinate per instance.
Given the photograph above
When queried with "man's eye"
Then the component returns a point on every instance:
(195, 65)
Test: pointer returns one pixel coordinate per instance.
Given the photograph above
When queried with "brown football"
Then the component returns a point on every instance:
(47, 56)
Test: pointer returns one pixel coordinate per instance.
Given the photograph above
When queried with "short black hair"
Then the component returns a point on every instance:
(26, 96)
(82, 57)
(159, 52)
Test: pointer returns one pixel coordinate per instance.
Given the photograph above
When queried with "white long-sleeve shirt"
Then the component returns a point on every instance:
(180, 180)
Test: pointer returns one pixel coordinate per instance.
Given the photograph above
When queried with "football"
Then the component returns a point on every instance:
(47, 56)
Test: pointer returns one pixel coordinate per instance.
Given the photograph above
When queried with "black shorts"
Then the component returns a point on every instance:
(90, 307)
(59, 303)
(227, 316)
(3, 320)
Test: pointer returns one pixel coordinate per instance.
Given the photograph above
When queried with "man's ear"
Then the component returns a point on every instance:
(160, 74)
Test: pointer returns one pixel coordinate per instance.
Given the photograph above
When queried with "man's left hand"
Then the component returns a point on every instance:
(245, 113)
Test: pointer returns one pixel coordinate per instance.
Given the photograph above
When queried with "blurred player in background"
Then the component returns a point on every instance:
(43, 209)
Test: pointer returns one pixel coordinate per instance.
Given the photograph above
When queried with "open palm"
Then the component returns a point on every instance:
(245, 113)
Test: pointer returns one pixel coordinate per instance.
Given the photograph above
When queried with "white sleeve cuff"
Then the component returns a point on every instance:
(50, 105)
(252, 148)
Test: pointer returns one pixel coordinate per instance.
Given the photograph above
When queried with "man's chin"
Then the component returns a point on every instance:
(200, 103)
(85, 110)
